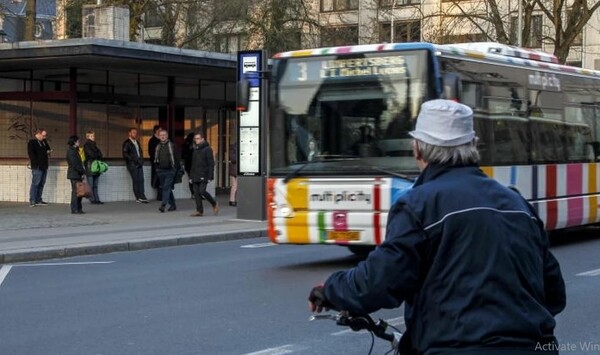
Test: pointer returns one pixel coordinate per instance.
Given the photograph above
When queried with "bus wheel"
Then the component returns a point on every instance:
(361, 250)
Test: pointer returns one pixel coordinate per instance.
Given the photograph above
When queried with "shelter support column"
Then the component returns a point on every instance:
(171, 104)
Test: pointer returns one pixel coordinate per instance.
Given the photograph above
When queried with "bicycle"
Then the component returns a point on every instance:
(365, 322)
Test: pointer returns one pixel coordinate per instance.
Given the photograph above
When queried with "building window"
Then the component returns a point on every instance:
(338, 5)
(230, 10)
(396, 3)
(230, 43)
(464, 38)
(535, 32)
(339, 36)
(404, 31)
(152, 18)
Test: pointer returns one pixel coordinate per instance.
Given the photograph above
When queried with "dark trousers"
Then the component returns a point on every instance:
(137, 179)
(75, 201)
(93, 180)
(38, 179)
(199, 192)
(155, 183)
(166, 177)
(191, 186)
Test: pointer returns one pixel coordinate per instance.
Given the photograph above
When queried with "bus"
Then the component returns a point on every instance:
(339, 153)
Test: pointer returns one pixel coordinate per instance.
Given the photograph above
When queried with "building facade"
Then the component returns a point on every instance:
(325, 23)
(12, 20)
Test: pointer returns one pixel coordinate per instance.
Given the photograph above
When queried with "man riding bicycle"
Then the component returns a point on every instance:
(468, 257)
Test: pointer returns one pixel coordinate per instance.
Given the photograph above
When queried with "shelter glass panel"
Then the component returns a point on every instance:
(120, 119)
(214, 90)
(16, 128)
(54, 118)
(93, 117)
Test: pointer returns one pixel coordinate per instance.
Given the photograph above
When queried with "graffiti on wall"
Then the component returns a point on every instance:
(21, 126)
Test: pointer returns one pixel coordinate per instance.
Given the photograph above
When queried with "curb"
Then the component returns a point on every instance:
(103, 248)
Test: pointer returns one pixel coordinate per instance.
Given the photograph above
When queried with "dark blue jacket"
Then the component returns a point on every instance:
(470, 259)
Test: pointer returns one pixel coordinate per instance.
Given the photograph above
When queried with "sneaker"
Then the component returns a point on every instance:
(232, 203)
(138, 200)
(196, 214)
(172, 208)
(143, 200)
(161, 209)
(42, 203)
(216, 209)
(32, 205)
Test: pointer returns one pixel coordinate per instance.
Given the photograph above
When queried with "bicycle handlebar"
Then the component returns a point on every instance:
(363, 322)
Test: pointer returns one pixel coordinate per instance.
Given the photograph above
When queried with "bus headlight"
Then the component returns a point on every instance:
(285, 211)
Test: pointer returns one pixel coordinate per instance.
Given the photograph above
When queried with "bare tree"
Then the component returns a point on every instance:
(568, 22)
(30, 17)
(497, 22)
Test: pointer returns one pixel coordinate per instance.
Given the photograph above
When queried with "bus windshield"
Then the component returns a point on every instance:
(346, 113)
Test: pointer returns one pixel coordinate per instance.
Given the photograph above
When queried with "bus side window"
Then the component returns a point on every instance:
(547, 141)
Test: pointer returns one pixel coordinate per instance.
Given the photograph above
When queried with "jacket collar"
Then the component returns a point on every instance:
(433, 171)
(201, 145)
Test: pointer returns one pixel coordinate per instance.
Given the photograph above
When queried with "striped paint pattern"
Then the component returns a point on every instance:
(547, 186)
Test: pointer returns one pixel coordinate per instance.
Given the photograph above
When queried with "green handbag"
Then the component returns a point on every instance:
(99, 167)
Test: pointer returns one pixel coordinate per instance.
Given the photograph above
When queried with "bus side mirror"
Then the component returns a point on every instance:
(452, 86)
(243, 94)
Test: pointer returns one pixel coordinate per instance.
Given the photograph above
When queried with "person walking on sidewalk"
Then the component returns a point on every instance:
(167, 163)
(38, 150)
(233, 174)
(186, 155)
(152, 143)
(201, 173)
(75, 173)
(92, 153)
(134, 160)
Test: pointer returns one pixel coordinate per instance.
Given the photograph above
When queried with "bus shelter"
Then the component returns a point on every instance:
(73, 86)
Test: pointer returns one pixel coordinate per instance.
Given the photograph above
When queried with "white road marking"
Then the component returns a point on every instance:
(280, 350)
(4, 270)
(63, 264)
(590, 273)
(393, 321)
(259, 245)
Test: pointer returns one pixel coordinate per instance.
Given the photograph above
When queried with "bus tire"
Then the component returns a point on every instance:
(361, 250)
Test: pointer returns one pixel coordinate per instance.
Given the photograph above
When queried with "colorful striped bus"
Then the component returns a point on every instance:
(340, 153)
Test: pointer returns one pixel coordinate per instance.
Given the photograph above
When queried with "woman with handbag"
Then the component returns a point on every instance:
(75, 173)
(92, 154)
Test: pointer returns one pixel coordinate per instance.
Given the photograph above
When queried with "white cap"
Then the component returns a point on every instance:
(444, 123)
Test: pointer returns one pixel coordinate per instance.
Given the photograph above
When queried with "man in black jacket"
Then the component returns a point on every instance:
(38, 150)
(134, 160)
(167, 163)
(201, 173)
(468, 257)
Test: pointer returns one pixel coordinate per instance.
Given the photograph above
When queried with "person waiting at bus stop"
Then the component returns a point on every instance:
(468, 257)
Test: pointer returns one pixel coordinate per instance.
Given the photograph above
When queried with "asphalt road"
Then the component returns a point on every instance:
(238, 297)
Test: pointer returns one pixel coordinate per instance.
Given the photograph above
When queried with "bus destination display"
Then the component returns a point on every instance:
(311, 70)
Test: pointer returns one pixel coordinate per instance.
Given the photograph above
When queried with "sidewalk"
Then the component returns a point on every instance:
(46, 232)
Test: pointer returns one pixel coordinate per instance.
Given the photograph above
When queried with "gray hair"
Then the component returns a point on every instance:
(460, 155)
